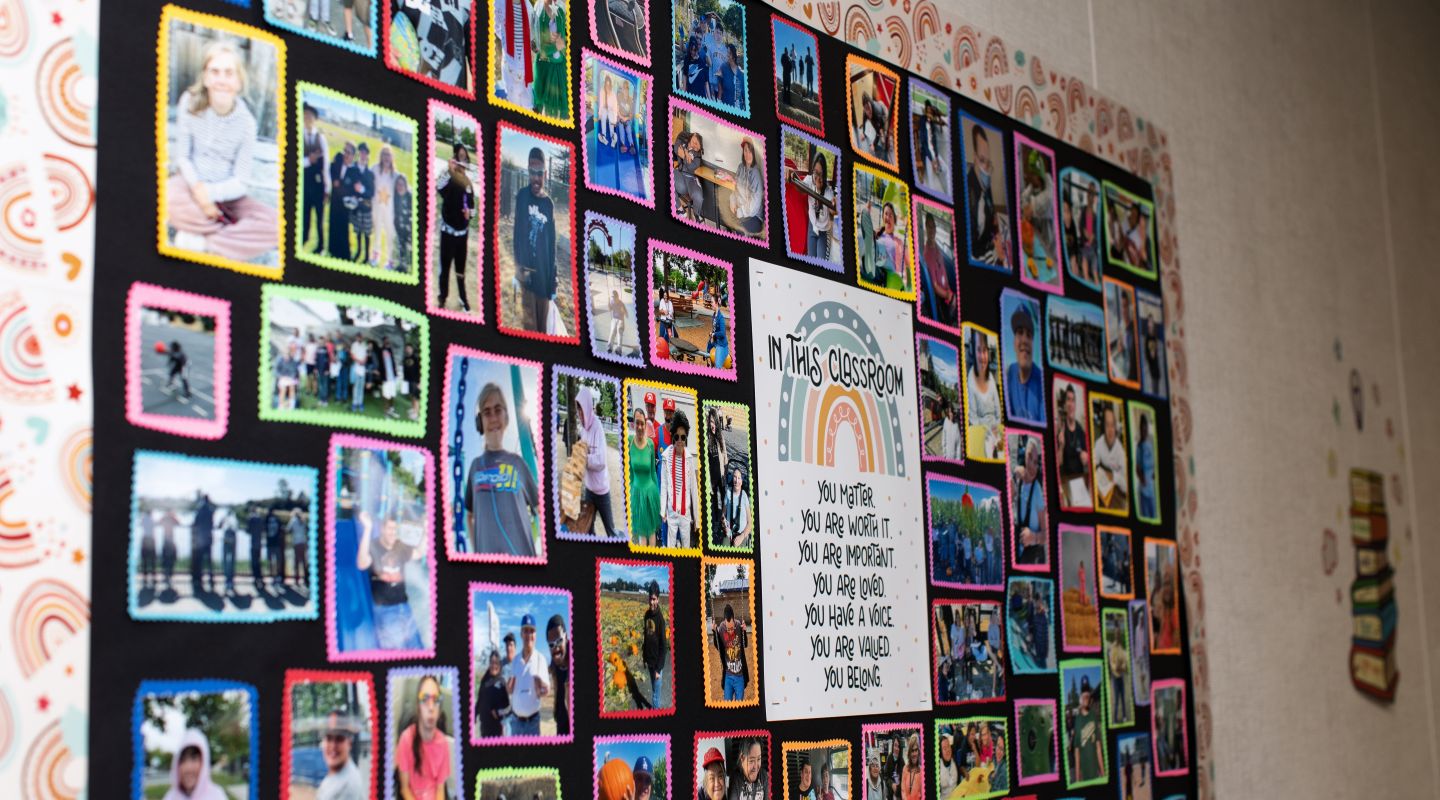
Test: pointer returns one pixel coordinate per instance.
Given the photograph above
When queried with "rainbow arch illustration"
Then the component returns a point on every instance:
(812, 418)
(46, 616)
(17, 543)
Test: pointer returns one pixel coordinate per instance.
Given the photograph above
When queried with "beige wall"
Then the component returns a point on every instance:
(1303, 134)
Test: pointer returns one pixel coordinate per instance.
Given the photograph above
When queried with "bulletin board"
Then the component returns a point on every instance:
(311, 646)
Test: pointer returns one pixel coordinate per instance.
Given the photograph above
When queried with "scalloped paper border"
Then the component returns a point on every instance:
(935, 477)
(937, 656)
(147, 295)
(1085, 663)
(964, 177)
(1021, 779)
(638, 360)
(633, 713)
(311, 609)
(1082, 178)
(643, 59)
(203, 686)
(499, 773)
(500, 128)
(337, 41)
(1114, 530)
(751, 733)
(829, 744)
(332, 644)
(1004, 732)
(852, 61)
(433, 108)
(875, 729)
(677, 87)
(500, 588)
(1049, 628)
(1010, 299)
(648, 738)
(946, 197)
(836, 172)
(448, 478)
(389, 56)
(392, 736)
(1082, 408)
(410, 276)
(493, 69)
(967, 330)
(903, 214)
(296, 676)
(1155, 688)
(753, 657)
(1011, 497)
(699, 532)
(750, 476)
(656, 246)
(785, 119)
(413, 428)
(587, 57)
(169, 15)
(679, 104)
(1096, 436)
(561, 532)
(1023, 141)
(960, 371)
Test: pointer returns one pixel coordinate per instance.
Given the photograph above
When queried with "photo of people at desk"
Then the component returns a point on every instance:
(692, 328)
(717, 174)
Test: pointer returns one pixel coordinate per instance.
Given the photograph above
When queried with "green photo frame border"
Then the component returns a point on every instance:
(1083, 663)
(749, 477)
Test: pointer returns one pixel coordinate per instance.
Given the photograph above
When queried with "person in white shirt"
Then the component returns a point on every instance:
(1110, 460)
(678, 508)
(529, 681)
(359, 362)
(342, 779)
(952, 435)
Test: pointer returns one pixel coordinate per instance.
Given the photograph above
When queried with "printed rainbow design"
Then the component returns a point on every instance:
(811, 417)
(17, 545)
(23, 376)
(47, 769)
(77, 457)
(46, 616)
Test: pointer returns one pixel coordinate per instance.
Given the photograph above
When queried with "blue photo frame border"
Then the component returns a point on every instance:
(204, 686)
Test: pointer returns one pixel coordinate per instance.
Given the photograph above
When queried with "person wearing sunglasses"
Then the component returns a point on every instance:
(423, 752)
(556, 637)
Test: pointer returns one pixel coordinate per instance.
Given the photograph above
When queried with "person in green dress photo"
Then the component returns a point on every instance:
(551, 76)
(644, 486)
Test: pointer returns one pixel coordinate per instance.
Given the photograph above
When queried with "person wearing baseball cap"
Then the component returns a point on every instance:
(615, 781)
(644, 775)
(1024, 380)
(556, 638)
(656, 646)
(1088, 734)
(679, 511)
(342, 779)
(655, 432)
(529, 681)
(712, 783)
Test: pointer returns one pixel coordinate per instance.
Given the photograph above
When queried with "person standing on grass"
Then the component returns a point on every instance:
(533, 246)
(656, 647)
(529, 682)
(457, 206)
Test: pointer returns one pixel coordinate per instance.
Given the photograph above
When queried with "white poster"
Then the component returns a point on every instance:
(843, 547)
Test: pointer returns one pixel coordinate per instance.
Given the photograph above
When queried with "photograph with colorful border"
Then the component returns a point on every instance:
(1037, 742)
(411, 693)
(987, 778)
(1129, 232)
(532, 76)
(668, 520)
(942, 426)
(889, 746)
(455, 213)
(447, 27)
(872, 110)
(692, 327)
(623, 29)
(728, 476)
(329, 734)
(696, 36)
(612, 290)
(1031, 624)
(177, 340)
(166, 720)
(963, 653)
(805, 206)
(931, 157)
(711, 185)
(1038, 210)
(634, 634)
(1082, 222)
(937, 302)
(984, 408)
(356, 31)
(1029, 503)
(731, 632)
(883, 258)
(1079, 597)
(627, 766)
(1072, 444)
(987, 195)
(616, 112)
(832, 779)
(798, 91)
(966, 539)
(586, 415)
(1083, 733)
(499, 611)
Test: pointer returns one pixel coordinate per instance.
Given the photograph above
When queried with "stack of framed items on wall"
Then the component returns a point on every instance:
(471, 354)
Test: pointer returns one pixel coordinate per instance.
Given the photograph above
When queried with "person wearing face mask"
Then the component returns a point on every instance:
(190, 770)
(207, 199)
(501, 494)
(423, 752)
(985, 244)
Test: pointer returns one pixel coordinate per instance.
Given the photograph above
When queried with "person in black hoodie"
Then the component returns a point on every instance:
(492, 702)
(555, 636)
(341, 202)
(533, 246)
(656, 647)
(457, 206)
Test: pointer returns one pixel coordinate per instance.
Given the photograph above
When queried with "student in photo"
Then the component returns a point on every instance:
(300, 543)
(747, 202)
(888, 242)
(362, 193)
(712, 786)
(275, 548)
(208, 202)
(315, 189)
(717, 348)
(873, 131)
(384, 558)
(732, 77)
(457, 206)
(558, 641)
(1024, 384)
(493, 701)
(787, 68)
(202, 530)
(533, 246)
(382, 254)
(501, 495)
(1086, 735)
(190, 770)
(615, 342)
(1145, 469)
(423, 752)
(529, 681)
(940, 298)
(678, 509)
(597, 460)
(1110, 459)
(149, 569)
(875, 784)
(1073, 446)
(735, 516)
(985, 244)
(607, 112)
(403, 223)
(695, 69)
(644, 482)
(947, 772)
(517, 66)
(1119, 672)
(984, 395)
(342, 779)
(750, 780)
(688, 156)
(551, 95)
(644, 776)
(732, 639)
(1029, 516)
(952, 433)
(227, 549)
(168, 522)
(341, 195)
(656, 645)
(178, 368)
(359, 365)
(255, 525)
(928, 138)
(820, 210)
(912, 778)
(624, 128)
(665, 316)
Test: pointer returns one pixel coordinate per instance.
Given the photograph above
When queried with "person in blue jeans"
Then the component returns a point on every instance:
(656, 647)
(720, 338)
(385, 558)
(1145, 470)
(731, 639)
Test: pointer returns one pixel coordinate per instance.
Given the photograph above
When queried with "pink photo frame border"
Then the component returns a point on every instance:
(457, 772)
(874, 728)
(679, 103)
(332, 644)
(147, 295)
(585, 55)
(1058, 287)
(940, 209)
(643, 61)
(1082, 410)
(432, 211)
(1021, 779)
(752, 733)
(657, 246)
(500, 128)
(1156, 687)
(930, 524)
(1001, 656)
(506, 588)
(294, 677)
(472, 60)
(1010, 497)
(1171, 545)
(634, 713)
(959, 390)
(646, 738)
(776, 19)
(1065, 645)
(447, 482)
